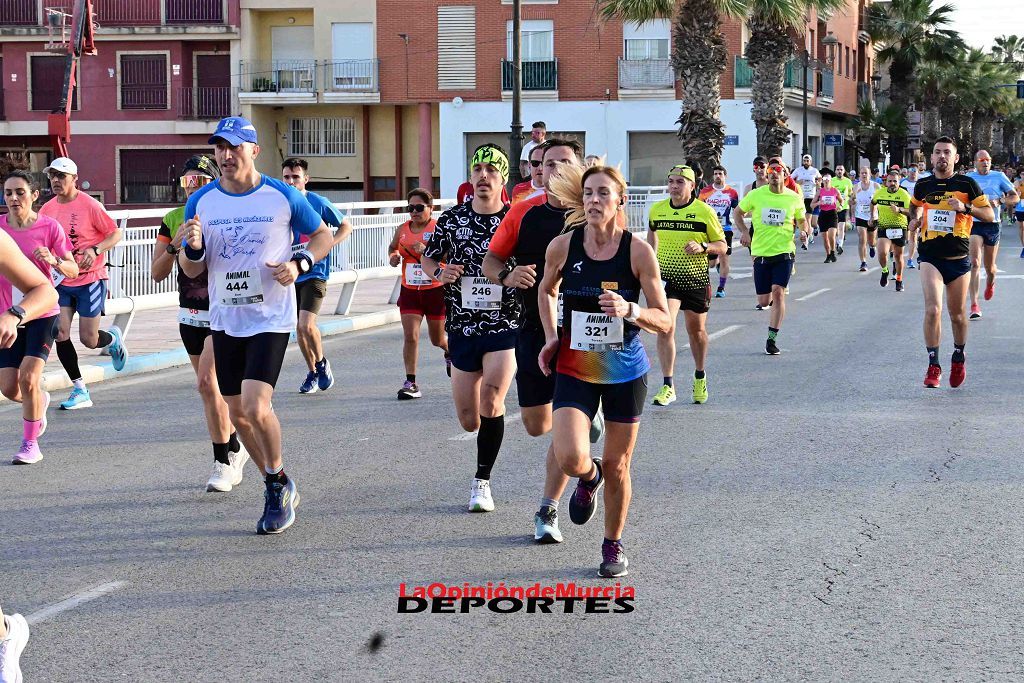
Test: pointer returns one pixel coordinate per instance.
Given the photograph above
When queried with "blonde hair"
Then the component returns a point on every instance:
(567, 188)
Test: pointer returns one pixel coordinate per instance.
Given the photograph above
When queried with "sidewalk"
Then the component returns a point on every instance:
(153, 341)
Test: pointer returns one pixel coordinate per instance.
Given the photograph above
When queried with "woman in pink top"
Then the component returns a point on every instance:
(827, 200)
(43, 241)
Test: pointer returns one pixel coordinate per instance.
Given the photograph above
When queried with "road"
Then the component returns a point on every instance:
(823, 516)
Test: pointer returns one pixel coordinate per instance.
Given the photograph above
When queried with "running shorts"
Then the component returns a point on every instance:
(533, 386)
(258, 357)
(861, 223)
(194, 338)
(988, 232)
(772, 271)
(696, 300)
(949, 269)
(428, 302)
(828, 220)
(841, 216)
(623, 402)
(467, 353)
(309, 294)
(34, 340)
(1018, 216)
(87, 300)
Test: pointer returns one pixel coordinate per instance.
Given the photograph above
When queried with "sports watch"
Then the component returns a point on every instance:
(504, 273)
(304, 260)
(18, 312)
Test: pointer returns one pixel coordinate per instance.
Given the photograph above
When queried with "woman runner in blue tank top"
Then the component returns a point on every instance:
(600, 358)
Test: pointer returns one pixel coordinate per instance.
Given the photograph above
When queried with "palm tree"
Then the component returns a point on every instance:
(909, 33)
(772, 25)
(1008, 48)
(873, 125)
(698, 59)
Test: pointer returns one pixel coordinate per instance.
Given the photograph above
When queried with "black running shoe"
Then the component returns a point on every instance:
(839, 249)
(583, 502)
(884, 280)
(613, 560)
(280, 501)
(899, 285)
(771, 348)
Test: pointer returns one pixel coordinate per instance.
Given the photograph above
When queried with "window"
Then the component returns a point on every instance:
(456, 48)
(538, 43)
(854, 59)
(839, 57)
(334, 137)
(352, 54)
(48, 82)
(143, 81)
(649, 155)
(150, 176)
(649, 40)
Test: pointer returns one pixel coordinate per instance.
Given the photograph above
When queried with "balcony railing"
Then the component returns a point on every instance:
(826, 84)
(358, 75)
(143, 97)
(194, 11)
(19, 13)
(536, 75)
(119, 12)
(646, 74)
(291, 75)
(204, 104)
(744, 74)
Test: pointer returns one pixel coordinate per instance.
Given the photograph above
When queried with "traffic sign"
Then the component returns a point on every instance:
(913, 142)
(834, 140)
(732, 140)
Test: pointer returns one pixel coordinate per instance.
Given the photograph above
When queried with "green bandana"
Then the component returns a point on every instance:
(493, 156)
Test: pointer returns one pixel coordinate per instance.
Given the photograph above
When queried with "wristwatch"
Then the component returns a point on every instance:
(504, 273)
(304, 260)
(172, 250)
(96, 250)
(437, 273)
(704, 246)
(967, 209)
(634, 313)
(18, 312)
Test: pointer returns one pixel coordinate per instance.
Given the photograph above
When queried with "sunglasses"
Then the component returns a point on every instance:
(191, 182)
(415, 208)
(57, 175)
(535, 162)
(775, 169)
(757, 166)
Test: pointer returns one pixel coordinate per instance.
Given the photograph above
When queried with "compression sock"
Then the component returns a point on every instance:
(488, 443)
(220, 452)
(773, 332)
(958, 353)
(104, 339)
(698, 374)
(933, 355)
(69, 359)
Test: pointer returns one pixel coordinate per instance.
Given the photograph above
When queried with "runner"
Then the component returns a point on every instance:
(948, 202)
(533, 186)
(538, 133)
(775, 213)
(1019, 213)
(311, 287)
(864, 215)
(723, 199)
(844, 185)
(420, 296)
(601, 359)
(892, 205)
(908, 183)
(985, 235)
(827, 200)
(239, 229)
(465, 192)
(93, 233)
(760, 179)
(482, 318)
(516, 257)
(229, 457)
(14, 633)
(24, 352)
(684, 231)
(808, 177)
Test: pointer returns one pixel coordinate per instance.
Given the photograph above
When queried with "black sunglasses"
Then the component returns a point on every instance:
(535, 163)
(415, 208)
(58, 175)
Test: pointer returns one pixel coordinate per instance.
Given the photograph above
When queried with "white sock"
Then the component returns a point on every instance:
(272, 470)
(79, 384)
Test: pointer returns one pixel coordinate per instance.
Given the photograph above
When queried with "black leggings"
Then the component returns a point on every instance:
(258, 357)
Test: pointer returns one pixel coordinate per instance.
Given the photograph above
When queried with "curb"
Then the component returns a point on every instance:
(162, 360)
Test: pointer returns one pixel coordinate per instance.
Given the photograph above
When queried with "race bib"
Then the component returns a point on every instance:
(242, 287)
(808, 186)
(596, 332)
(941, 220)
(193, 317)
(864, 211)
(414, 275)
(56, 275)
(828, 202)
(773, 216)
(480, 294)
(894, 233)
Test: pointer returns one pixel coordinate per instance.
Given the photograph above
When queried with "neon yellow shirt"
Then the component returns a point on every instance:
(676, 227)
(774, 217)
(888, 216)
(845, 186)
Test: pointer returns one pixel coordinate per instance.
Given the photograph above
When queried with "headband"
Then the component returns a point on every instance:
(493, 156)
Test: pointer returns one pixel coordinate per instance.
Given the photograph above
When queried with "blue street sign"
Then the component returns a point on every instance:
(732, 140)
(834, 140)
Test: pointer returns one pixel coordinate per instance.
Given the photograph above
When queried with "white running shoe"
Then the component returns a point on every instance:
(222, 479)
(11, 648)
(480, 496)
(238, 461)
(46, 406)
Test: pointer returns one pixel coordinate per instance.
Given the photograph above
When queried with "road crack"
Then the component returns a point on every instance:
(867, 534)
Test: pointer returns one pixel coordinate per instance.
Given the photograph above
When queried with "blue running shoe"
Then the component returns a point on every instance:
(910, 263)
(583, 502)
(546, 526)
(719, 293)
(311, 384)
(79, 398)
(324, 376)
(871, 252)
(280, 501)
(118, 351)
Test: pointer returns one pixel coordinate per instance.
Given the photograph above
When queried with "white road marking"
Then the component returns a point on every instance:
(871, 270)
(74, 601)
(469, 436)
(1010, 277)
(740, 276)
(805, 297)
(715, 335)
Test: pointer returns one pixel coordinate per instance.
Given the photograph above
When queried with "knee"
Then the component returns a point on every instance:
(208, 388)
(957, 317)
(253, 410)
(90, 340)
(932, 311)
(537, 426)
(412, 337)
(469, 420)
(616, 470)
(28, 383)
(306, 330)
(9, 387)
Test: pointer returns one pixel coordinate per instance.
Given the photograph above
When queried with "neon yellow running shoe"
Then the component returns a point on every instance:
(664, 396)
(700, 390)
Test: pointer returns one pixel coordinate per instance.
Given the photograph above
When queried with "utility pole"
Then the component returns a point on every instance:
(803, 133)
(515, 138)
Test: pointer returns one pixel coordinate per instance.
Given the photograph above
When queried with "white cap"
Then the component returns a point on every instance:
(62, 165)
(807, 156)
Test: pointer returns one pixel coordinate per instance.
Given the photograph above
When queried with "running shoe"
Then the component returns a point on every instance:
(46, 406)
(957, 373)
(839, 249)
(324, 376)
(613, 560)
(1022, 253)
(884, 280)
(545, 524)
(310, 385)
(79, 398)
(910, 263)
(281, 499)
(899, 285)
(720, 293)
(933, 377)
(221, 479)
(871, 252)
(990, 290)
(771, 348)
(664, 396)
(409, 390)
(828, 258)
(448, 364)
(117, 350)
(975, 311)
(11, 648)
(863, 266)
(480, 496)
(759, 307)
(815, 232)
(597, 425)
(803, 245)
(700, 390)
(28, 454)
(583, 502)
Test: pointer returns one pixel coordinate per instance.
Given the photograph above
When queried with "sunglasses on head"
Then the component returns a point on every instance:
(415, 208)
(535, 162)
(58, 175)
(191, 182)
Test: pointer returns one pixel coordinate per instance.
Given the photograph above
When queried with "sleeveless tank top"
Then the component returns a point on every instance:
(829, 200)
(413, 276)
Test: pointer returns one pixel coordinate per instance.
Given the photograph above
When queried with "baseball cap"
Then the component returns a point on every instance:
(684, 171)
(62, 165)
(234, 130)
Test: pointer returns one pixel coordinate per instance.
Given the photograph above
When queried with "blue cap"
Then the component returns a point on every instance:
(235, 130)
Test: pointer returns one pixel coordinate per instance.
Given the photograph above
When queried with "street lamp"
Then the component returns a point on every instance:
(830, 42)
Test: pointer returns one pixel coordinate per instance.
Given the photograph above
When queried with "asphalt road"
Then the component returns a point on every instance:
(822, 517)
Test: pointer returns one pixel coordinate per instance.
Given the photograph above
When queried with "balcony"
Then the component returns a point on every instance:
(204, 104)
(350, 81)
(289, 81)
(194, 11)
(143, 97)
(19, 13)
(646, 75)
(826, 87)
(536, 76)
(119, 13)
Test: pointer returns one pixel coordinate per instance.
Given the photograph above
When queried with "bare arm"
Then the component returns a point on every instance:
(40, 296)
(343, 232)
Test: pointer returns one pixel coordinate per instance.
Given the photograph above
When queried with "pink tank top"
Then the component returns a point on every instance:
(829, 199)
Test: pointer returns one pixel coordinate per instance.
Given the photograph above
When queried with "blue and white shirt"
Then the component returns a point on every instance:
(241, 233)
(994, 184)
(321, 270)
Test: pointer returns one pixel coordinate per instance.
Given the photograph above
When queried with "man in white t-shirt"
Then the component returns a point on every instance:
(808, 177)
(537, 135)
(239, 229)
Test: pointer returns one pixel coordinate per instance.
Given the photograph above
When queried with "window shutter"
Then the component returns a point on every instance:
(456, 48)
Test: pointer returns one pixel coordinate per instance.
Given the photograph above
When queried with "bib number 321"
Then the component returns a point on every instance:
(596, 332)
